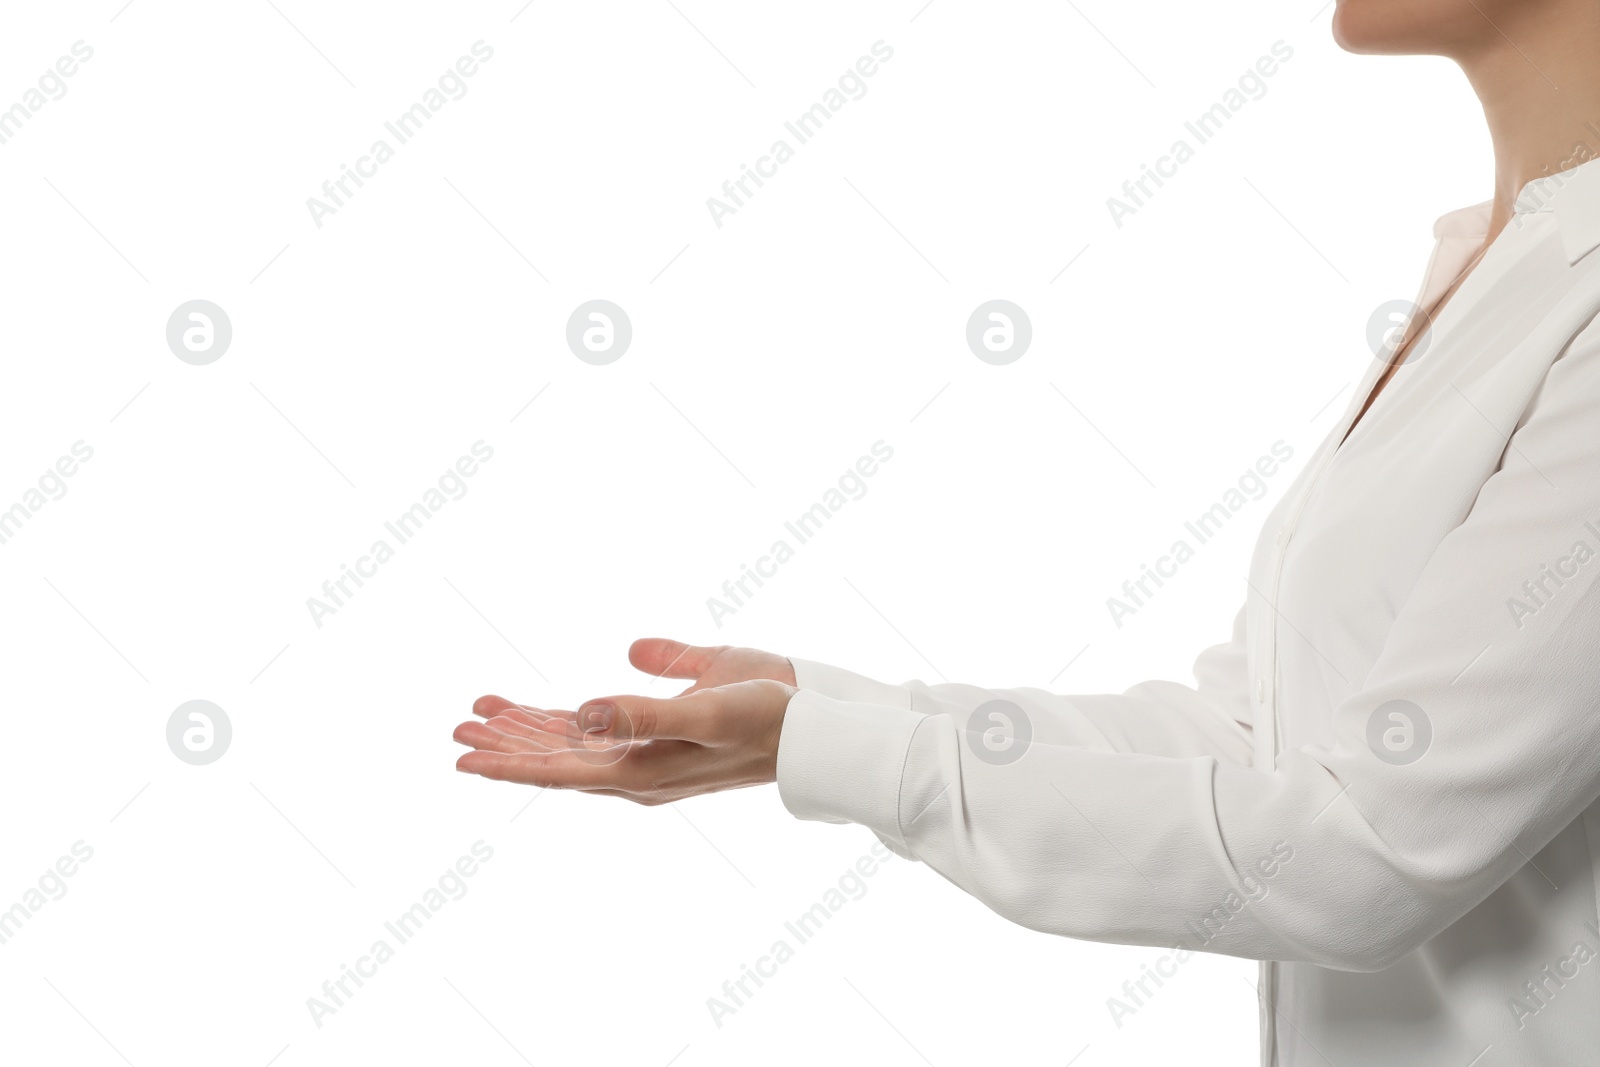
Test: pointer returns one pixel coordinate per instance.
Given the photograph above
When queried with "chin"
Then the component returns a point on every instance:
(1366, 28)
(1407, 27)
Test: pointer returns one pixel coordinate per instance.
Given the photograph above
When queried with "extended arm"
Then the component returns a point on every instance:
(1136, 848)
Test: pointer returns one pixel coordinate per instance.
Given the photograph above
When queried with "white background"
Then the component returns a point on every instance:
(827, 314)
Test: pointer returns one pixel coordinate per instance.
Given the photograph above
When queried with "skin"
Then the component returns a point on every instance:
(1535, 66)
(720, 733)
(1536, 69)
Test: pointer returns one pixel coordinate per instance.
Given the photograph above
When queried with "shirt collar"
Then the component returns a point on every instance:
(1465, 222)
(1571, 196)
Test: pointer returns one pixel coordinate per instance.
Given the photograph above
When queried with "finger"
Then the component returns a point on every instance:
(545, 739)
(486, 706)
(666, 658)
(482, 736)
(541, 718)
(550, 770)
(536, 720)
(683, 718)
(489, 706)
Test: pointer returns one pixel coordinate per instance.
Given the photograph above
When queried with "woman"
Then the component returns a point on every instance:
(1385, 785)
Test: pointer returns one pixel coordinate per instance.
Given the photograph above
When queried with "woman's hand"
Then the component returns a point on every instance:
(707, 667)
(643, 749)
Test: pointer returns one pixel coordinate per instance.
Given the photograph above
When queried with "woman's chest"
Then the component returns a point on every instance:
(1342, 552)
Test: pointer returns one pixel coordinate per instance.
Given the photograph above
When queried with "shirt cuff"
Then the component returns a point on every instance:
(840, 684)
(836, 764)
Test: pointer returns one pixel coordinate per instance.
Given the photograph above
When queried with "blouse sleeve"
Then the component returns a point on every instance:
(1367, 858)
(1157, 717)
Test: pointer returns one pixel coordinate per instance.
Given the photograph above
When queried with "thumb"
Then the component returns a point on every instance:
(666, 658)
(684, 718)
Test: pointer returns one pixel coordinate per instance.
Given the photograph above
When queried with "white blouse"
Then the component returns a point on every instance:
(1386, 783)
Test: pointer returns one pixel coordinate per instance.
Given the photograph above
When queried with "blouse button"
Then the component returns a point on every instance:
(1261, 690)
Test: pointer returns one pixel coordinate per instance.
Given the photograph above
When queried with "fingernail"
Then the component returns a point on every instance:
(598, 717)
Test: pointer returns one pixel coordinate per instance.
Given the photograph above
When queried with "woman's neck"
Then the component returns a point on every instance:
(1539, 83)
